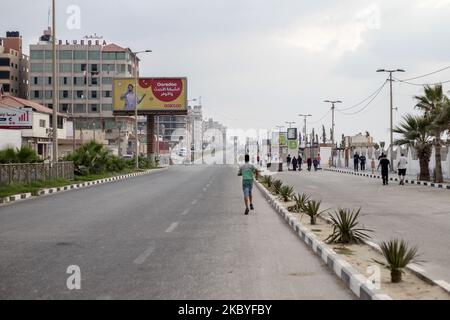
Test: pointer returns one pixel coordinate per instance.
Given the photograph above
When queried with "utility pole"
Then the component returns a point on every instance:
(304, 128)
(333, 102)
(290, 123)
(55, 81)
(390, 79)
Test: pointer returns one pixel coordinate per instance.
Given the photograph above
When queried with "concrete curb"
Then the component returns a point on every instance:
(75, 186)
(443, 186)
(358, 284)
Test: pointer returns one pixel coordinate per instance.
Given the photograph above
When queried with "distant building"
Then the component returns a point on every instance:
(86, 70)
(38, 133)
(14, 66)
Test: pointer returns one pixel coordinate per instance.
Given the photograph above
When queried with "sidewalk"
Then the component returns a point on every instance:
(409, 179)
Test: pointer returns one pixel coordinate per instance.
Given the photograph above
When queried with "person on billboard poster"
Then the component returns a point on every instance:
(131, 99)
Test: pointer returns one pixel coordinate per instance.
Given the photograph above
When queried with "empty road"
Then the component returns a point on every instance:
(177, 234)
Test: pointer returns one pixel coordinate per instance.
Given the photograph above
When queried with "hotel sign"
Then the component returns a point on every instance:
(83, 42)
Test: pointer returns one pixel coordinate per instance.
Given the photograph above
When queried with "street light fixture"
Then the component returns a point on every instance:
(136, 132)
(333, 102)
(391, 109)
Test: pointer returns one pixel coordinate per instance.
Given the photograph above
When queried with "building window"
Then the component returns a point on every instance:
(49, 80)
(4, 62)
(93, 68)
(109, 56)
(80, 94)
(94, 95)
(48, 94)
(65, 54)
(107, 94)
(65, 67)
(94, 81)
(79, 55)
(94, 55)
(4, 74)
(107, 107)
(93, 108)
(48, 54)
(120, 56)
(42, 123)
(109, 68)
(107, 80)
(64, 108)
(37, 94)
(80, 108)
(64, 81)
(37, 54)
(121, 68)
(64, 94)
(37, 67)
(36, 80)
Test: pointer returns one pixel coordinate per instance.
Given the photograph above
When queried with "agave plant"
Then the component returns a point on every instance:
(286, 193)
(300, 203)
(312, 209)
(267, 180)
(276, 186)
(398, 256)
(346, 228)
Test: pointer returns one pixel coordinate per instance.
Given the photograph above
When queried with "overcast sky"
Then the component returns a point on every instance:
(259, 63)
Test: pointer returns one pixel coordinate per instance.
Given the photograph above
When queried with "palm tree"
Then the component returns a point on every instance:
(433, 104)
(415, 132)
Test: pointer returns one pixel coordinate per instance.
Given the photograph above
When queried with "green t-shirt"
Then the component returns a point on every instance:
(247, 172)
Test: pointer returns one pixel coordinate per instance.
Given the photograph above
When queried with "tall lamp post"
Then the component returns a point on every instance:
(305, 116)
(280, 159)
(136, 131)
(391, 109)
(333, 102)
(55, 81)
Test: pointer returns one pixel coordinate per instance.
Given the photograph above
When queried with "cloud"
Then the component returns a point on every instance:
(337, 33)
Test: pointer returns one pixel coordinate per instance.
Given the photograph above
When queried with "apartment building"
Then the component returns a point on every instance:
(14, 66)
(85, 72)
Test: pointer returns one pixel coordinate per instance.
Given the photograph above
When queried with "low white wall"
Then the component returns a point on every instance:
(10, 138)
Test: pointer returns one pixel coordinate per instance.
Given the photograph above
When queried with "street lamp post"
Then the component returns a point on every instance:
(391, 110)
(280, 159)
(305, 132)
(136, 131)
(333, 102)
(55, 107)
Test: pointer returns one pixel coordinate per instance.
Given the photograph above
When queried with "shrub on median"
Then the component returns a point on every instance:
(286, 193)
(300, 203)
(276, 186)
(346, 228)
(312, 209)
(398, 255)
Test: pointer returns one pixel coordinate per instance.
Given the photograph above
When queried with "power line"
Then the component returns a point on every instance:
(367, 105)
(425, 75)
(361, 102)
(421, 84)
(317, 121)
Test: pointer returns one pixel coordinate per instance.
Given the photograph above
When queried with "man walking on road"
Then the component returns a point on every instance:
(294, 163)
(362, 159)
(356, 161)
(300, 160)
(288, 160)
(384, 164)
(247, 171)
(402, 165)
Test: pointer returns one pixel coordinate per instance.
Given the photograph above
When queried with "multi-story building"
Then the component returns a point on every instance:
(85, 72)
(14, 66)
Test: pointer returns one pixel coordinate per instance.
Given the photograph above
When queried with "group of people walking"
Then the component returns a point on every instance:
(384, 164)
(297, 163)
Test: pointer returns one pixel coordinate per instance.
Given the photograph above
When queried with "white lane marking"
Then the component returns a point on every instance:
(194, 201)
(185, 212)
(141, 259)
(172, 227)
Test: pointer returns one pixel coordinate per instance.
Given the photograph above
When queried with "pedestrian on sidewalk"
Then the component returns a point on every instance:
(294, 163)
(309, 163)
(363, 159)
(373, 166)
(247, 171)
(316, 164)
(385, 164)
(356, 161)
(402, 165)
(300, 162)
(288, 160)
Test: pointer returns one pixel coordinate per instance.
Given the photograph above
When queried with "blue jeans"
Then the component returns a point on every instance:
(247, 187)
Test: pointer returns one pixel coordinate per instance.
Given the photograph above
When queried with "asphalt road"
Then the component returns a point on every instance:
(418, 214)
(178, 234)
